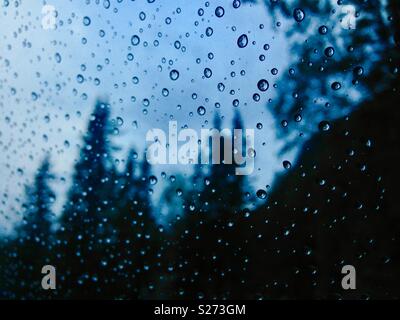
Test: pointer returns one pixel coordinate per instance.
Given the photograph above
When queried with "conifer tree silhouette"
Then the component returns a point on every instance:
(32, 246)
(84, 237)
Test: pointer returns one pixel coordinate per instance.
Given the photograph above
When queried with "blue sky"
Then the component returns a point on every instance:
(45, 108)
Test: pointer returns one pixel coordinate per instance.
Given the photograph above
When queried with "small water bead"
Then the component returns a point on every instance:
(106, 4)
(201, 111)
(177, 44)
(287, 165)
(142, 16)
(174, 74)
(86, 21)
(207, 72)
(329, 51)
(236, 4)
(153, 180)
(284, 123)
(298, 15)
(80, 78)
(274, 71)
(336, 86)
(298, 118)
(165, 92)
(242, 41)
(358, 71)
(324, 126)
(261, 194)
(263, 85)
(323, 30)
(209, 32)
(256, 97)
(259, 126)
(57, 56)
(251, 153)
(135, 40)
(219, 12)
(135, 80)
(221, 87)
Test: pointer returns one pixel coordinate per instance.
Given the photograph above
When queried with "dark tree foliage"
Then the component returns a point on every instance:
(32, 247)
(212, 257)
(334, 69)
(136, 245)
(336, 207)
(85, 229)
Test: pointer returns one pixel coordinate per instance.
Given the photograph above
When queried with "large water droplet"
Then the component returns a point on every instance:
(287, 165)
(174, 74)
(298, 15)
(135, 40)
(329, 52)
(86, 21)
(219, 12)
(242, 41)
(201, 111)
(263, 85)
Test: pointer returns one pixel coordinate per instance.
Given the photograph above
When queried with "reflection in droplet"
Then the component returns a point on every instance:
(242, 41)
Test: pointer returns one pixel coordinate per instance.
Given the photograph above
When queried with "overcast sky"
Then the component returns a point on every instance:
(44, 104)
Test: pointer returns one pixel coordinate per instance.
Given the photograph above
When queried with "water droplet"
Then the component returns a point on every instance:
(287, 165)
(219, 12)
(153, 180)
(86, 21)
(209, 32)
(298, 15)
(358, 71)
(207, 72)
(263, 85)
(329, 52)
(323, 30)
(201, 111)
(336, 86)
(324, 126)
(236, 4)
(242, 41)
(174, 74)
(261, 194)
(135, 40)
(57, 56)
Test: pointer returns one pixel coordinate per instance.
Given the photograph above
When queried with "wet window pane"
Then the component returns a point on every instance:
(199, 150)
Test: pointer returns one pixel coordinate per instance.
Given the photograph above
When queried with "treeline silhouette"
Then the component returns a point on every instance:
(107, 243)
(336, 206)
